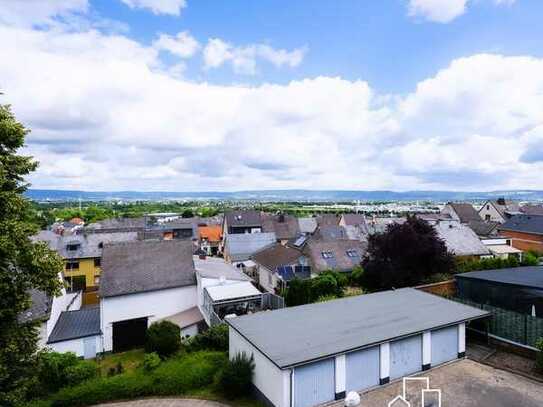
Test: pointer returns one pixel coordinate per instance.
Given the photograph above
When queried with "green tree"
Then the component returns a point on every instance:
(24, 265)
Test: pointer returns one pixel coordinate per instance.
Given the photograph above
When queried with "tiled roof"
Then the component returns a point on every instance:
(134, 267)
(76, 324)
(277, 256)
(524, 223)
(338, 259)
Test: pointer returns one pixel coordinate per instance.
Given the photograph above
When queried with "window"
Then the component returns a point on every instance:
(97, 262)
(327, 255)
(352, 253)
(72, 265)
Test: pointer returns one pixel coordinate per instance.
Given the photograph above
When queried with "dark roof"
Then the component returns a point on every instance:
(339, 259)
(76, 324)
(284, 226)
(465, 211)
(134, 267)
(524, 223)
(277, 256)
(40, 307)
(243, 218)
(296, 335)
(521, 276)
(532, 209)
(483, 228)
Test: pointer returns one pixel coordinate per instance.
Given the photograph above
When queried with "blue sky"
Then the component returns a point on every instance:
(226, 95)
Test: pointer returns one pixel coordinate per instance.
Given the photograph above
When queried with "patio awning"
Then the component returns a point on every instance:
(232, 291)
(503, 249)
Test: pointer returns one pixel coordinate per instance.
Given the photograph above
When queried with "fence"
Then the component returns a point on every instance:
(513, 326)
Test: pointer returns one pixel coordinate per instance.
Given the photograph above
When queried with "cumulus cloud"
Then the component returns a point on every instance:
(244, 58)
(443, 11)
(183, 44)
(103, 107)
(172, 7)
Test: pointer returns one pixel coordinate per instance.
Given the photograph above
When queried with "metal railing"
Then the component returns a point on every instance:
(515, 327)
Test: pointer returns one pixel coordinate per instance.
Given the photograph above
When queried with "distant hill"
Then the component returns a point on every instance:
(283, 195)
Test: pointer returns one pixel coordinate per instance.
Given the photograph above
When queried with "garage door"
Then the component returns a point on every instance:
(314, 383)
(405, 356)
(444, 345)
(129, 334)
(362, 369)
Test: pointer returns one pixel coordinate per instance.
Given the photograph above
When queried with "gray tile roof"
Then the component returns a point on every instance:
(524, 223)
(277, 256)
(133, 267)
(242, 246)
(465, 211)
(296, 335)
(521, 276)
(339, 260)
(40, 307)
(76, 324)
(460, 239)
(243, 218)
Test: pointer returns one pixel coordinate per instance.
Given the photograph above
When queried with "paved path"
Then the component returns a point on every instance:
(165, 403)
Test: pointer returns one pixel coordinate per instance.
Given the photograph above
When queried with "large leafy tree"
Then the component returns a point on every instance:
(24, 265)
(405, 255)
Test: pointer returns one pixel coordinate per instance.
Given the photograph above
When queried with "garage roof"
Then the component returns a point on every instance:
(298, 335)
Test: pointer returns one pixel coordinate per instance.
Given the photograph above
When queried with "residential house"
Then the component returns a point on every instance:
(143, 282)
(498, 210)
(284, 226)
(461, 212)
(240, 247)
(337, 255)
(525, 232)
(278, 265)
(317, 353)
(210, 239)
(242, 221)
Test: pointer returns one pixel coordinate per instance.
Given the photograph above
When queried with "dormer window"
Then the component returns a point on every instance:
(352, 253)
(327, 254)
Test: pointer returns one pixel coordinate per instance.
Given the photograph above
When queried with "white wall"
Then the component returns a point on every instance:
(75, 345)
(154, 305)
(273, 382)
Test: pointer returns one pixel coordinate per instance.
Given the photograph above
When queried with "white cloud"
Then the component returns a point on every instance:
(183, 44)
(244, 58)
(444, 11)
(172, 7)
(106, 114)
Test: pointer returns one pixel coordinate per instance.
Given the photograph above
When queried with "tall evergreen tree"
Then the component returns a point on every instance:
(404, 255)
(24, 265)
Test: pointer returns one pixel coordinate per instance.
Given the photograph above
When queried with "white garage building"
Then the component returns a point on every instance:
(315, 353)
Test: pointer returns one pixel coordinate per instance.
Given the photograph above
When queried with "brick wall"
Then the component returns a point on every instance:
(524, 241)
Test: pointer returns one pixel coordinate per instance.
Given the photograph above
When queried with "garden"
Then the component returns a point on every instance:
(193, 368)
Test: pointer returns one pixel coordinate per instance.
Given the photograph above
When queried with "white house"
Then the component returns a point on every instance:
(143, 282)
(316, 353)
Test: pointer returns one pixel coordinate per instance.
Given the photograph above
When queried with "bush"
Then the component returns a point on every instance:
(164, 338)
(236, 378)
(215, 338)
(150, 362)
(539, 356)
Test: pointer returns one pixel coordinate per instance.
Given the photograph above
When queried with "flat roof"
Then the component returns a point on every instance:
(232, 291)
(297, 335)
(520, 276)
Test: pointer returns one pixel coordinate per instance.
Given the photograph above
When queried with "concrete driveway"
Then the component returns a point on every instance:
(463, 383)
(165, 403)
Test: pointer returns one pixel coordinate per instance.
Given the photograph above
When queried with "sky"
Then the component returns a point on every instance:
(207, 95)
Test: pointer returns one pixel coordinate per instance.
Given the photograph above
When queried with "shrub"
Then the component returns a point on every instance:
(539, 356)
(215, 338)
(151, 362)
(164, 338)
(236, 377)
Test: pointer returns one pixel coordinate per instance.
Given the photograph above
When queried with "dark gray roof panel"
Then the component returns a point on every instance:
(296, 335)
(76, 324)
(522, 276)
(133, 267)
